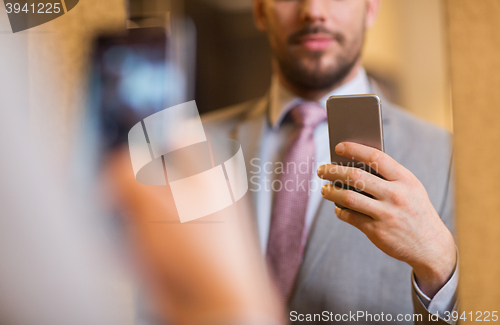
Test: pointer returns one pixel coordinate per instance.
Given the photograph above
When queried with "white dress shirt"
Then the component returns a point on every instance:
(262, 171)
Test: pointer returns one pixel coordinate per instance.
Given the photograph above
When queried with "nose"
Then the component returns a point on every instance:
(313, 10)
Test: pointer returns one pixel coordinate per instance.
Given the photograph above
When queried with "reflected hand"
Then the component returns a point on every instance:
(203, 272)
(400, 219)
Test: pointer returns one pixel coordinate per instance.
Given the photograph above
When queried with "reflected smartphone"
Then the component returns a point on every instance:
(128, 81)
(354, 118)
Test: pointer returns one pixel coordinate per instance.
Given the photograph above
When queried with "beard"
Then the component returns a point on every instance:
(308, 72)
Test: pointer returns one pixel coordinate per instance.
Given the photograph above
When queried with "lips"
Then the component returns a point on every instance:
(316, 43)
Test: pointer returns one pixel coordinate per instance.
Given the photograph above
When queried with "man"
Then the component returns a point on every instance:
(382, 258)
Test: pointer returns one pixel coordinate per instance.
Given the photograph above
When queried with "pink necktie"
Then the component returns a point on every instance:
(285, 248)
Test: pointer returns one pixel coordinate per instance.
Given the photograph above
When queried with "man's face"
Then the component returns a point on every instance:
(315, 42)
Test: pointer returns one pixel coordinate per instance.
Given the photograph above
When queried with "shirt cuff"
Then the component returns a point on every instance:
(445, 298)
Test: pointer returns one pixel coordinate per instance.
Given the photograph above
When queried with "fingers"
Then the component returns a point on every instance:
(373, 158)
(356, 219)
(352, 200)
(354, 177)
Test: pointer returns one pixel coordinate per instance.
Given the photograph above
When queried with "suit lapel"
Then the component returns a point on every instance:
(321, 234)
(387, 112)
(250, 133)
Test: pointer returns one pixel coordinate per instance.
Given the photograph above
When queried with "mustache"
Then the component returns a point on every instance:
(314, 29)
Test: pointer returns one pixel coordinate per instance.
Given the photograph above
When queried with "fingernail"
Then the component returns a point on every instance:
(340, 148)
(323, 189)
(337, 209)
(321, 171)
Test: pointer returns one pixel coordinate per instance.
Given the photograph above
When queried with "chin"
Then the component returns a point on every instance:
(318, 68)
(315, 70)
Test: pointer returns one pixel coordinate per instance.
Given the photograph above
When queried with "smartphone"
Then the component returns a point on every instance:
(128, 80)
(354, 118)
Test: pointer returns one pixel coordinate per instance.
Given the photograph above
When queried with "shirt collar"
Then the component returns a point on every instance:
(282, 100)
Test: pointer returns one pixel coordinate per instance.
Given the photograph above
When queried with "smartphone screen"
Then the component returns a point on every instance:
(355, 118)
(132, 78)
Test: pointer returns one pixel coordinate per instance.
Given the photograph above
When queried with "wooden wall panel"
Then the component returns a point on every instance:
(474, 53)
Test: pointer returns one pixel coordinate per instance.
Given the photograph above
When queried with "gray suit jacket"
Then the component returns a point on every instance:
(342, 271)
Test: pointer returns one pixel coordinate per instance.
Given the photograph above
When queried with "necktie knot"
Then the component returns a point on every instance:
(308, 114)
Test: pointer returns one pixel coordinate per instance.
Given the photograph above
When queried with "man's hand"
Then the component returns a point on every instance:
(399, 219)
